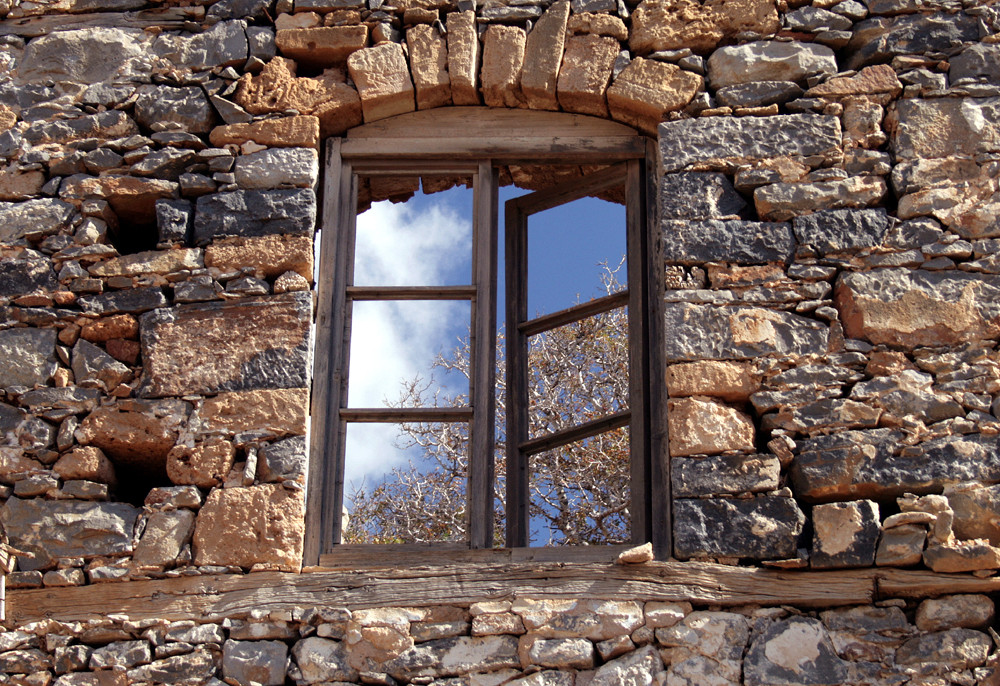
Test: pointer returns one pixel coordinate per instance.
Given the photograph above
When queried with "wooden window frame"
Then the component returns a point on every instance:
(426, 142)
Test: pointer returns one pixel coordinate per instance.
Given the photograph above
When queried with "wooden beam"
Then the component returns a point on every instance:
(164, 18)
(577, 432)
(411, 292)
(375, 415)
(590, 308)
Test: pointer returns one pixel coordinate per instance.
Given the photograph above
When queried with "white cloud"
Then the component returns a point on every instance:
(395, 341)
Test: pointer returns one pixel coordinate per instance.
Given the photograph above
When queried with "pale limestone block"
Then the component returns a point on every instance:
(383, 81)
(543, 53)
(699, 426)
(647, 90)
(429, 65)
(585, 74)
(503, 59)
(463, 58)
(321, 46)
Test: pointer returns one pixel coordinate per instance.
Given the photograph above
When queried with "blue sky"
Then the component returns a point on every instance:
(427, 241)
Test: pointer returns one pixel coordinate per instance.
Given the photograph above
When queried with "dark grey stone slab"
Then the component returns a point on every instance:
(254, 213)
(879, 39)
(813, 661)
(27, 357)
(980, 61)
(33, 218)
(283, 460)
(845, 535)
(174, 221)
(738, 241)
(758, 94)
(761, 528)
(699, 195)
(134, 301)
(31, 275)
(693, 477)
(836, 231)
(187, 108)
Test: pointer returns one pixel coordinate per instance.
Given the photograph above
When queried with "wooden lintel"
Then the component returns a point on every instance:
(165, 18)
(215, 597)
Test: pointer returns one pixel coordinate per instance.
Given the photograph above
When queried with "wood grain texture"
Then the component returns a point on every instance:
(215, 597)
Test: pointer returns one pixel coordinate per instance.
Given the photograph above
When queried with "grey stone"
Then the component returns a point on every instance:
(261, 39)
(254, 213)
(758, 93)
(797, 650)
(901, 546)
(223, 45)
(769, 61)
(760, 528)
(637, 668)
(947, 127)
(866, 464)
(914, 233)
(133, 301)
(27, 357)
(908, 393)
(718, 333)
(697, 195)
(240, 9)
(24, 661)
(837, 231)
(33, 218)
(321, 659)
(125, 654)
(54, 529)
(104, 125)
(454, 657)
(84, 56)
(975, 507)
(504, 13)
(26, 275)
(168, 163)
(709, 139)
(164, 536)
(784, 201)
(230, 112)
(979, 61)
(706, 646)
(740, 242)
(196, 666)
(263, 662)
(91, 365)
(198, 634)
(954, 649)
(72, 400)
(972, 611)
(107, 94)
(164, 107)
(174, 221)
(844, 534)
(723, 475)
(814, 19)
(879, 39)
(560, 653)
(278, 168)
(284, 460)
(72, 658)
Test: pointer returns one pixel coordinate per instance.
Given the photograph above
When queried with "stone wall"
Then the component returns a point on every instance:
(829, 190)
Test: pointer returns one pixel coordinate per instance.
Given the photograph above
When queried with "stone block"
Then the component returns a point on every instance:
(165, 535)
(429, 66)
(723, 475)
(33, 218)
(762, 528)
(255, 213)
(879, 39)
(828, 414)
(204, 465)
(795, 650)
(783, 201)
(262, 662)
(597, 620)
(716, 140)
(698, 195)
(85, 462)
(26, 276)
(769, 61)
(52, 529)
(134, 301)
(463, 57)
(972, 611)
(503, 60)
(908, 393)
(961, 556)
(864, 464)
(137, 434)
(874, 80)
(946, 127)
(707, 427)
(977, 511)
(979, 62)
(717, 333)
(901, 546)
(383, 81)
(248, 526)
(89, 55)
(196, 666)
(642, 666)
(586, 73)
(557, 653)
(647, 90)
(839, 231)
(223, 45)
(729, 381)
(678, 24)
(737, 241)
(958, 648)
(18, 185)
(454, 656)
(27, 357)
(150, 262)
(121, 654)
(196, 348)
(844, 535)
(165, 108)
(174, 221)
(758, 93)
(270, 256)
(300, 131)
(910, 308)
(278, 168)
(322, 46)
(543, 54)
(597, 23)
(323, 660)
(272, 412)
(284, 460)
(132, 198)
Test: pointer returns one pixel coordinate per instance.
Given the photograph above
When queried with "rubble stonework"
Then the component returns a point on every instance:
(828, 193)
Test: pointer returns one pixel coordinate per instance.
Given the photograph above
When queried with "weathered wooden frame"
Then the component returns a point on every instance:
(471, 142)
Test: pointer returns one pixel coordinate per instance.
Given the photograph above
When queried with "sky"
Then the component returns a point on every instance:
(427, 241)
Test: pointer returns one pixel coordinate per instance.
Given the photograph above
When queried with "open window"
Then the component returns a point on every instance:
(424, 148)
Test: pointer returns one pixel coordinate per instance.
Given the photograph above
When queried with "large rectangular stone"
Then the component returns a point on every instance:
(463, 58)
(871, 464)
(740, 242)
(429, 64)
(383, 81)
(543, 53)
(763, 528)
(503, 60)
(254, 213)
(713, 139)
(718, 333)
(947, 127)
(228, 346)
(586, 73)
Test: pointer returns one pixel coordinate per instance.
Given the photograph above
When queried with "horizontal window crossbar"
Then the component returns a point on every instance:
(590, 308)
(411, 292)
(400, 415)
(557, 439)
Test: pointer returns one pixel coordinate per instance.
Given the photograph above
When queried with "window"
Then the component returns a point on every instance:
(423, 145)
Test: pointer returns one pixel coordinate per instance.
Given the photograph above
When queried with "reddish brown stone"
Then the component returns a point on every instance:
(287, 132)
(131, 197)
(383, 81)
(135, 433)
(279, 412)
(585, 74)
(106, 328)
(647, 90)
(705, 427)
(676, 24)
(429, 65)
(271, 255)
(85, 462)
(321, 47)
(126, 351)
(204, 465)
